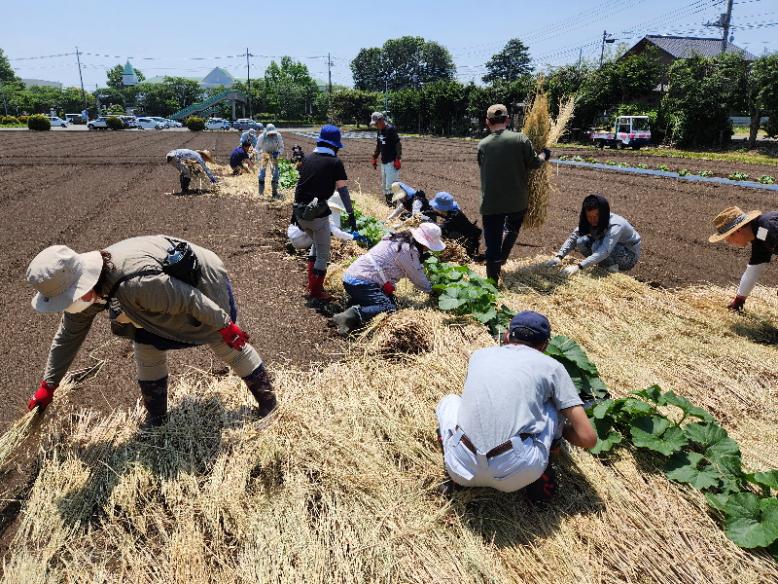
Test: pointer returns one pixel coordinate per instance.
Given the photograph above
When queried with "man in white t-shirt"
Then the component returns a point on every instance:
(499, 433)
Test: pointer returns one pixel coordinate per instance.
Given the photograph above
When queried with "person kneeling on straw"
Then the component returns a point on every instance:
(516, 405)
(409, 202)
(602, 237)
(739, 228)
(370, 281)
(164, 293)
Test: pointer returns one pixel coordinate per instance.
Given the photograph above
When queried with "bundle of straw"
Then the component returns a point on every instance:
(543, 132)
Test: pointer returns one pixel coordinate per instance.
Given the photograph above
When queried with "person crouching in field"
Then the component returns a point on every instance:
(162, 292)
(454, 223)
(321, 173)
(408, 201)
(739, 228)
(602, 237)
(299, 239)
(240, 160)
(179, 157)
(516, 405)
(370, 281)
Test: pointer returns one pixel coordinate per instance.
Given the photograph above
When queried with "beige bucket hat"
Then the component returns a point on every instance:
(206, 154)
(429, 235)
(730, 220)
(401, 191)
(62, 276)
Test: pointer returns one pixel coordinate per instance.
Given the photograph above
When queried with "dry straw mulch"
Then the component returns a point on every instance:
(341, 485)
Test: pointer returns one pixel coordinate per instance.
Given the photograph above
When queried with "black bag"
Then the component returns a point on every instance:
(312, 210)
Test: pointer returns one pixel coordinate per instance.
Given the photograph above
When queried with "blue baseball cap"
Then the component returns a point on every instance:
(330, 134)
(530, 326)
(444, 202)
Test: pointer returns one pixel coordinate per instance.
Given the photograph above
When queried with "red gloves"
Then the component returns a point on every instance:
(388, 288)
(737, 303)
(42, 397)
(374, 162)
(397, 164)
(234, 336)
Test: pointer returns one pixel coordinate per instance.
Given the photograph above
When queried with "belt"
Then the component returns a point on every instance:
(497, 450)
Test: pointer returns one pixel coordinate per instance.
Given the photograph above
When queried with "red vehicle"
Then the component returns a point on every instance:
(629, 131)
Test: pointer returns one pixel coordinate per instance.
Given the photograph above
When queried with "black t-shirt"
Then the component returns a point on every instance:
(766, 232)
(318, 175)
(458, 225)
(388, 138)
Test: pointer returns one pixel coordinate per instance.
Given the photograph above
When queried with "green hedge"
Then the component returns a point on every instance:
(9, 121)
(115, 123)
(39, 122)
(195, 124)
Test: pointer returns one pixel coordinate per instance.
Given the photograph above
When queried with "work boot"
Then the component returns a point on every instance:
(261, 388)
(309, 272)
(348, 320)
(545, 488)
(275, 194)
(154, 394)
(493, 271)
(261, 188)
(316, 286)
(184, 180)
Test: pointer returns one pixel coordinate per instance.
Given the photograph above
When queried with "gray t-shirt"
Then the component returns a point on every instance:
(506, 390)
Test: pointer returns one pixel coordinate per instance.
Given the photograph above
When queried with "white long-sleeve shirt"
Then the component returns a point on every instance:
(181, 154)
(386, 263)
(271, 143)
(619, 231)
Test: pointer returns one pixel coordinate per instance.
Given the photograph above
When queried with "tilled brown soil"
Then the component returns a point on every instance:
(673, 217)
(92, 189)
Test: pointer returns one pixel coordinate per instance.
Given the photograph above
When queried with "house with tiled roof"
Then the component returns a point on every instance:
(672, 48)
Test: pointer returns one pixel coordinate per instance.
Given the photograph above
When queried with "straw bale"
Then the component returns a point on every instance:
(340, 485)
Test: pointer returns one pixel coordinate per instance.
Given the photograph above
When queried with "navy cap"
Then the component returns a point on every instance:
(330, 134)
(530, 326)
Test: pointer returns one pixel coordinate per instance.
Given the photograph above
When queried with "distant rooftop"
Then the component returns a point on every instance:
(681, 47)
(216, 78)
(41, 83)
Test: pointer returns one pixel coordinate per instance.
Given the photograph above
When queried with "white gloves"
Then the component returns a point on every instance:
(570, 270)
(553, 262)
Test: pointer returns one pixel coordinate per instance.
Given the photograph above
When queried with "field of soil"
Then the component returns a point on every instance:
(87, 190)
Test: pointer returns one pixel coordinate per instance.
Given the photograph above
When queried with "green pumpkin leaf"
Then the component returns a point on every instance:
(768, 479)
(687, 407)
(651, 394)
(751, 522)
(450, 303)
(606, 444)
(721, 450)
(691, 468)
(564, 348)
(658, 434)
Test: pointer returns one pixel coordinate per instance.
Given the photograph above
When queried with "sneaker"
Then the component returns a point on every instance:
(545, 488)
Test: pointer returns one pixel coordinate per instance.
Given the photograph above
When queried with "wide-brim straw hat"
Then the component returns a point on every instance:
(206, 154)
(430, 236)
(62, 276)
(730, 220)
(336, 203)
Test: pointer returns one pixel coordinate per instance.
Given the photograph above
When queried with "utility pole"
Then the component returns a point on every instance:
(725, 23)
(605, 40)
(580, 56)
(329, 73)
(81, 77)
(248, 79)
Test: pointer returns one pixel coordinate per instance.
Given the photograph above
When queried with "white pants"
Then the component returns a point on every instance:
(389, 174)
(510, 471)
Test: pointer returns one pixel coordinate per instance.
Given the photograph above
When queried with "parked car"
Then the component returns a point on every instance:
(129, 121)
(217, 124)
(244, 124)
(57, 122)
(149, 124)
(74, 119)
(174, 124)
(627, 132)
(163, 122)
(100, 123)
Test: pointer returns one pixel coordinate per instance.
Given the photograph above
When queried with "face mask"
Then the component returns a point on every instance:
(79, 306)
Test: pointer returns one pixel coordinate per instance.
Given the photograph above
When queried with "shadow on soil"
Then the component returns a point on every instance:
(510, 519)
(757, 329)
(536, 277)
(186, 444)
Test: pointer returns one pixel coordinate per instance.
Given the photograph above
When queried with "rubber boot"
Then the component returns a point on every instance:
(184, 180)
(154, 394)
(310, 264)
(275, 194)
(316, 286)
(348, 320)
(261, 388)
(493, 271)
(261, 188)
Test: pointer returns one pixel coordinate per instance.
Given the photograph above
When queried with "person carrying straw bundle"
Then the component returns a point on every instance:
(739, 229)
(505, 158)
(164, 293)
(602, 237)
(181, 156)
(370, 281)
(516, 406)
(321, 173)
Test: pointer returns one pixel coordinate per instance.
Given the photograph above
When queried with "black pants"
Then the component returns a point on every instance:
(500, 234)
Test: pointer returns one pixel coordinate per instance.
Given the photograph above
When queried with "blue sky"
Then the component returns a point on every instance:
(190, 38)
